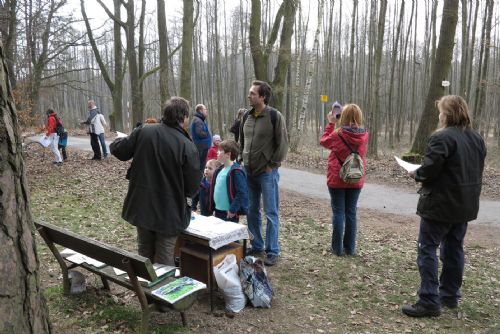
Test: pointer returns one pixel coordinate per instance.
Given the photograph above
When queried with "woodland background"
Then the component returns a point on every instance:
(130, 57)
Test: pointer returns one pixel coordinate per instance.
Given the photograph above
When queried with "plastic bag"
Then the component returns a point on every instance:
(226, 275)
(255, 283)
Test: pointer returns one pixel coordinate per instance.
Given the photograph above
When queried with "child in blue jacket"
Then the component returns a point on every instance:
(229, 193)
(203, 196)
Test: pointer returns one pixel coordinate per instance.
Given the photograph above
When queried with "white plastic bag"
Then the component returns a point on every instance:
(228, 280)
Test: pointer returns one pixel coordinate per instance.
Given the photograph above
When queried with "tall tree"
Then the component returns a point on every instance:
(115, 86)
(8, 30)
(187, 49)
(22, 306)
(440, 70)
(373, 144)
(163, 42)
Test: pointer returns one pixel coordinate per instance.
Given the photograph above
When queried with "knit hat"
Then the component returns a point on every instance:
(216, 138)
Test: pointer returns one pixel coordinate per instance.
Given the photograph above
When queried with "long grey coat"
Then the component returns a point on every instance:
(165, 171)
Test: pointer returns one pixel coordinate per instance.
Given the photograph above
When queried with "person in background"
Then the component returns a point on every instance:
(52, 135)
(99, 126)
(213, 152)
(451, 175)
(229, 185)
(344, 196)
(263, 146)
(151, 120)
(203, 196)
(235, 128)
(62, 143)
(164, 172)
(93, 111)
(200, 133)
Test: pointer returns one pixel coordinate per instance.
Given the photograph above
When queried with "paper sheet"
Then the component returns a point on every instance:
(45, 141)
(121, 134)
(406, 165)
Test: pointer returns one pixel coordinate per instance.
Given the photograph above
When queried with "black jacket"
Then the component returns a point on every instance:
(165, 170)
(451, 176)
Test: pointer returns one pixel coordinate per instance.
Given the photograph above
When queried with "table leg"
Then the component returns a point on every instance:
(210, 281)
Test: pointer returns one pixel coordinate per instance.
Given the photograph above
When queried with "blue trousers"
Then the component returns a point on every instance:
(451, 238)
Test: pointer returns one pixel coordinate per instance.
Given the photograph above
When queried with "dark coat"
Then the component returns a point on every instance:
(451, 176)
(203, 197)
(237, 189)
(164, 171)
(202, 137)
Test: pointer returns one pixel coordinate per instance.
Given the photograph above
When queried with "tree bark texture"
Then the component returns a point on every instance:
(187, 49)
(440, 70)
(22, 306)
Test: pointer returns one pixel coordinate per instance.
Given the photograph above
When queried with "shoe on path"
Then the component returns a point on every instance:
(418, 311)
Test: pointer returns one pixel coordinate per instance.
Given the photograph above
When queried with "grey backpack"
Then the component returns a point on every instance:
(352, 168)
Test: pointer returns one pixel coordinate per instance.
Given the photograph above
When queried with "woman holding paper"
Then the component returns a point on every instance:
(344, 196)
(451, 176)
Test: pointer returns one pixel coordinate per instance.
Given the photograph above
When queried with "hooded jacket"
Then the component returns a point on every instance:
(165, 170)
(51, 124)
(237, 190)
(356, 138)
(451, 176)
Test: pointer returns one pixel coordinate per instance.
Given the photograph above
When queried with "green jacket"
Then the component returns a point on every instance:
(263, 143)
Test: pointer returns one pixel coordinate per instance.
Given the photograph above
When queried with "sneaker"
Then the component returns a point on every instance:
(418, 310)
(255, 252)
(59, 163)
(271, 259)
(449, 303)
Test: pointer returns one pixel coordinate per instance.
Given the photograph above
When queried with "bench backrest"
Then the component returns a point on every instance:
(112, 256)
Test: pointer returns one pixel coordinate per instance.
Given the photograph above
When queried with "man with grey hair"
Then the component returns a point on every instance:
(94, 137)
(200, 133)
(163, 173)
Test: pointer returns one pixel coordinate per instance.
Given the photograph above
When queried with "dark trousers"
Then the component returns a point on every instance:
(203, 158)
(451, 238)
(63, 150)
(94, 142)
(223, 215)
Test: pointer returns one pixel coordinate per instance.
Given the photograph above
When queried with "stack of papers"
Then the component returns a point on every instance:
(80, 258)
(178, 289)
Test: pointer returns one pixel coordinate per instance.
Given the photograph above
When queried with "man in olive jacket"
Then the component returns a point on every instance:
(164, 171)
(264, 144)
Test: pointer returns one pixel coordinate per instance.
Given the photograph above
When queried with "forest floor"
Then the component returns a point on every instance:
(315, 292)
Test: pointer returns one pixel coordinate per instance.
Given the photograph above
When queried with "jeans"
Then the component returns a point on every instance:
(155, 246)
(265, 184)
(451, 238)
(103, 144)
(95, 146)
(344, 202)
(54, 140)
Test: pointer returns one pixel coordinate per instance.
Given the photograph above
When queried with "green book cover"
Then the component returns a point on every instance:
(178, 289)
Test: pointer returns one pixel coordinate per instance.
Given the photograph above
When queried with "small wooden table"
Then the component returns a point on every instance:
(205, 243)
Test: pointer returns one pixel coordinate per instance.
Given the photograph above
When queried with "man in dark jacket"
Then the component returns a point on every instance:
(163, 173)
(451, 176)
(200, 133)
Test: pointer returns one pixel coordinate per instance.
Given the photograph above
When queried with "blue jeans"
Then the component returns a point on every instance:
(344, 202)
(265, 185)
(451, 238)
(103, 144)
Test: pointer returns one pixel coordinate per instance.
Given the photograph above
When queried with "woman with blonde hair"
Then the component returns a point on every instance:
(350, 134)
(451, 176)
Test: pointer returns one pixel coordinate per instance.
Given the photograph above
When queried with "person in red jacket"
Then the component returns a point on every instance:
(52, 135)
(213, 152)
(344, 196)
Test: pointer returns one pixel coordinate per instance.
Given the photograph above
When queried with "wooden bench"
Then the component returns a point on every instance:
(135, 266)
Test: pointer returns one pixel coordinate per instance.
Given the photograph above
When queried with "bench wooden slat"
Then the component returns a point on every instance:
(101, 252)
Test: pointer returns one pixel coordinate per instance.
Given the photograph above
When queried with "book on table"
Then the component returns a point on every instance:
(178, 289)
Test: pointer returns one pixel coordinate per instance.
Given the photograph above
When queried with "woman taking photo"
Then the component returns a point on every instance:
(344, 196)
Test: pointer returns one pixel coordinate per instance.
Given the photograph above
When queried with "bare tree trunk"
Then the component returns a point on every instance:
(351, 80)
(440, 70)
(8, 31)
(187, 49)
(373, 143)
(22, 306)
(470, 56)
(163, 42)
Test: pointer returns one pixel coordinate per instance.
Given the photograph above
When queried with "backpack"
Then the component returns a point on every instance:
(352, 168)
(59, 127)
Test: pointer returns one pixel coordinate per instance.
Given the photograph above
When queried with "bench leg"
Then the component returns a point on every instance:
(105, 283)
(145, 321)
(183, 317)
